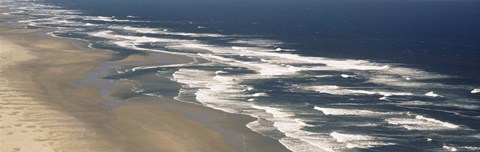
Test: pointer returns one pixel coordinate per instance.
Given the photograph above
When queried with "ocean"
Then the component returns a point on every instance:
(319, 75)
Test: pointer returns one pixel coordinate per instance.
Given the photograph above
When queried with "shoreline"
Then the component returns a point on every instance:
(30, 113)
(202, 128)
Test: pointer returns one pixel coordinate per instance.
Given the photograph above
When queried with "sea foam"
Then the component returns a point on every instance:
(419, 122)
(432, 94)
(358, 141)
(338, 111)
(475, 91)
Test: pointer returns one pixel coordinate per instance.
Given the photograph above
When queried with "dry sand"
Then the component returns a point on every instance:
(43, 110)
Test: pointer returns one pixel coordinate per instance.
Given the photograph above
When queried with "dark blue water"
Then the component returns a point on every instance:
(438, 35)
(320, 75)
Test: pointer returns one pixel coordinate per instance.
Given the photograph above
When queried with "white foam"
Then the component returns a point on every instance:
(347, 76)
(296, 139)
(446, 124)
(469, 148)
(137, 39)
(139, 29)
(263, 68)
(392, 80)
(132, 41)
(475, 91)
(105, 19)
(332, 64)
(421, 123)
(257, 42)
(260, 94)
(285, 50)
(209, 99)
(357, 65)
(401, 77)
(145, 30)
(456, 104)
(297, 145)
(275, 64)
(349, 137)
(90, 24)
(336, 90)
(365, 124)
(358, 141)
(324, 76)
(385, 98)
(276, 112)
(273, 70)
(432, 94)
(220, 72)
(338, 111)
(256, 126)
(449, 148)
(249, 88)
(215, 91)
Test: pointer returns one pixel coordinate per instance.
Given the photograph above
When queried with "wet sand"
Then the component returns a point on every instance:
(43, 109)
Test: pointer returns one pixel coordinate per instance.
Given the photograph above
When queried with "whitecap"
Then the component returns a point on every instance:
(338, 111)
(276, 112)
(220, 72)
(257, 42)
(385, 98)
(347, 76)
(260, 94)
(421, 123)
(358, 141)
(469, 148)
(432, 94)
(146, 30)
(90, 24)
(449, 148)
(336, 90)
(324, 76)
(249, 88)
(475, 91)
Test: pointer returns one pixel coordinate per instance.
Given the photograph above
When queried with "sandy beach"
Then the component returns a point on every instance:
(42, 109)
